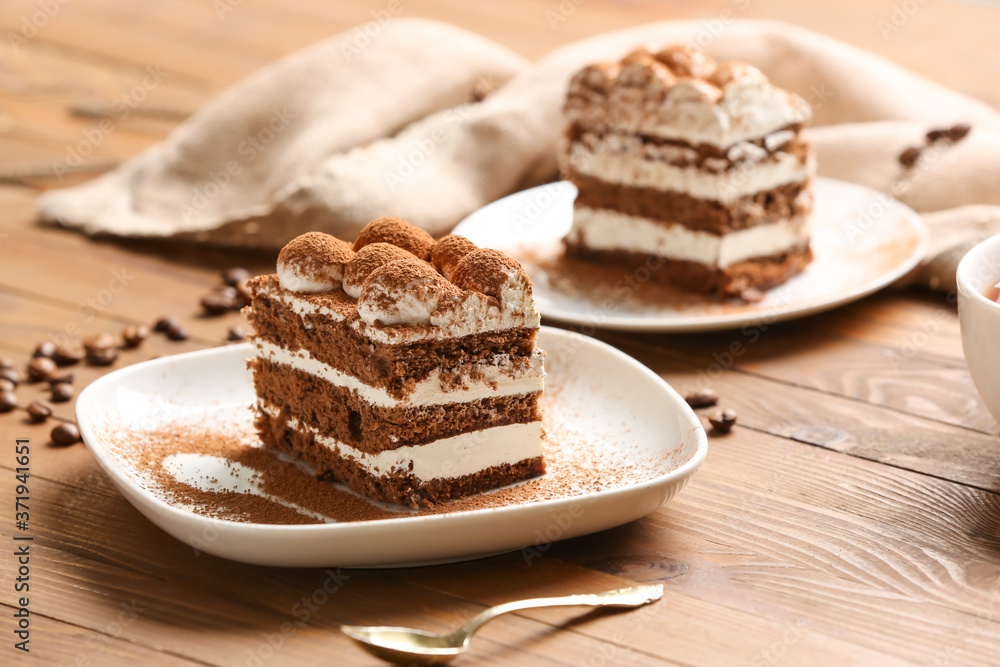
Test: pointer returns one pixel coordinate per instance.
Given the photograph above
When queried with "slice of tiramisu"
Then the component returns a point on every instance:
(696, 169)
(404, 368)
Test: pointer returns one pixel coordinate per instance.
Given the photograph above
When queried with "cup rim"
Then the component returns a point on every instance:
(970, 262)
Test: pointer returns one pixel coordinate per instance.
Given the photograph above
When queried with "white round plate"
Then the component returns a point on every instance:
(862, 241)
(591, 388)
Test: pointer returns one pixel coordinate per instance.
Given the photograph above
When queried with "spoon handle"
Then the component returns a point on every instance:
(621, 597)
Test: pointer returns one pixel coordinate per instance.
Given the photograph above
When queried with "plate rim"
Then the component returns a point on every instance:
(87, 403)
(771, 314)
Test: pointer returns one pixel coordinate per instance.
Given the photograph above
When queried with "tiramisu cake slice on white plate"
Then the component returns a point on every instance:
(695, 168)
(404, 368)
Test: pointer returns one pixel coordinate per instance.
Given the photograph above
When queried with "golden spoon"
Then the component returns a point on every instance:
(409, 646)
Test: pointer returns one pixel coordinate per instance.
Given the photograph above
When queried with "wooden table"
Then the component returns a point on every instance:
(851, 518)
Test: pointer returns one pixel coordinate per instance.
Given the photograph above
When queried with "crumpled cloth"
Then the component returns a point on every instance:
(396, 123)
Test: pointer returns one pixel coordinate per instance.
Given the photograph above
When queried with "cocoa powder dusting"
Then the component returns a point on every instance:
(286, 492)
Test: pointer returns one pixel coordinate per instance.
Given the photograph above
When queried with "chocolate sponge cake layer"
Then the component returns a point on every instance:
(396, 368)
(706, 215)
(759, 273)
(400, 487)
(344, 416)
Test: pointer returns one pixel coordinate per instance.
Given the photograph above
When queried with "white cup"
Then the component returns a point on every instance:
(979, 319)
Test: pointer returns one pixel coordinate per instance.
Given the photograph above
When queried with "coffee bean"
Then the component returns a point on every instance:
(935, 135)
(7, 385)
(165, 323)
(65, 434)
(6, 362)
(909, 157)
(723, 420)
(68, 378)
(41, 368)
(958, 132)
(234, 275)
(39, 411)
(102, 349)
(702, 398)
(133, 335)
(236, 333)
(103, 357)
(99, 342)
(45, 349)
(62, 392)
(67, 355)
(11, 375)
(8, 401)
(243, 294)
(217, 303)
(177, 333)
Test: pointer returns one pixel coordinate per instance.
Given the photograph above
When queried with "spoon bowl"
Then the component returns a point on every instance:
(410, 646)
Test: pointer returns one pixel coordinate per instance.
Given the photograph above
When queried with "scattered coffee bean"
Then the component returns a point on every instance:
(102, 349)
(177, 333)
(165, 323)
(62, 392)
(67, 355)
(11, 375)
(40, 369)
(62, 379)
(234, 275)
(8, 401)
(236, 333)
(7, 385)
(65, 434)
(909, 157)
(104, 357)
(218, 302)
(133, 335)
(935, 135)
(39, 411)
(6, 362)
(45, 349)
(99, 342)
(702, 398)
(723, 420)
(243, 295)
(958, 132)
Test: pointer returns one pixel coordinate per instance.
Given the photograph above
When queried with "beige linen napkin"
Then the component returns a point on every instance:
(387, 129)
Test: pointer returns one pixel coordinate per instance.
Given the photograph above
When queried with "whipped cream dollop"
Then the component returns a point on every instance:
(405, 291)
(313, 262)
(397, 232)
(449, 251)
(366, 261)
(680, 93)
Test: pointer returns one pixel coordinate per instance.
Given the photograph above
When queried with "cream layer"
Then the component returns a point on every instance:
(455, 456)
(604, 229)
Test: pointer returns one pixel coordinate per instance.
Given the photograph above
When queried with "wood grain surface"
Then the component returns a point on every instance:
(851, 518)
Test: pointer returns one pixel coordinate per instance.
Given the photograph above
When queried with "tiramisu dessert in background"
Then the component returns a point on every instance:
(700, 166)
(403, 367)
